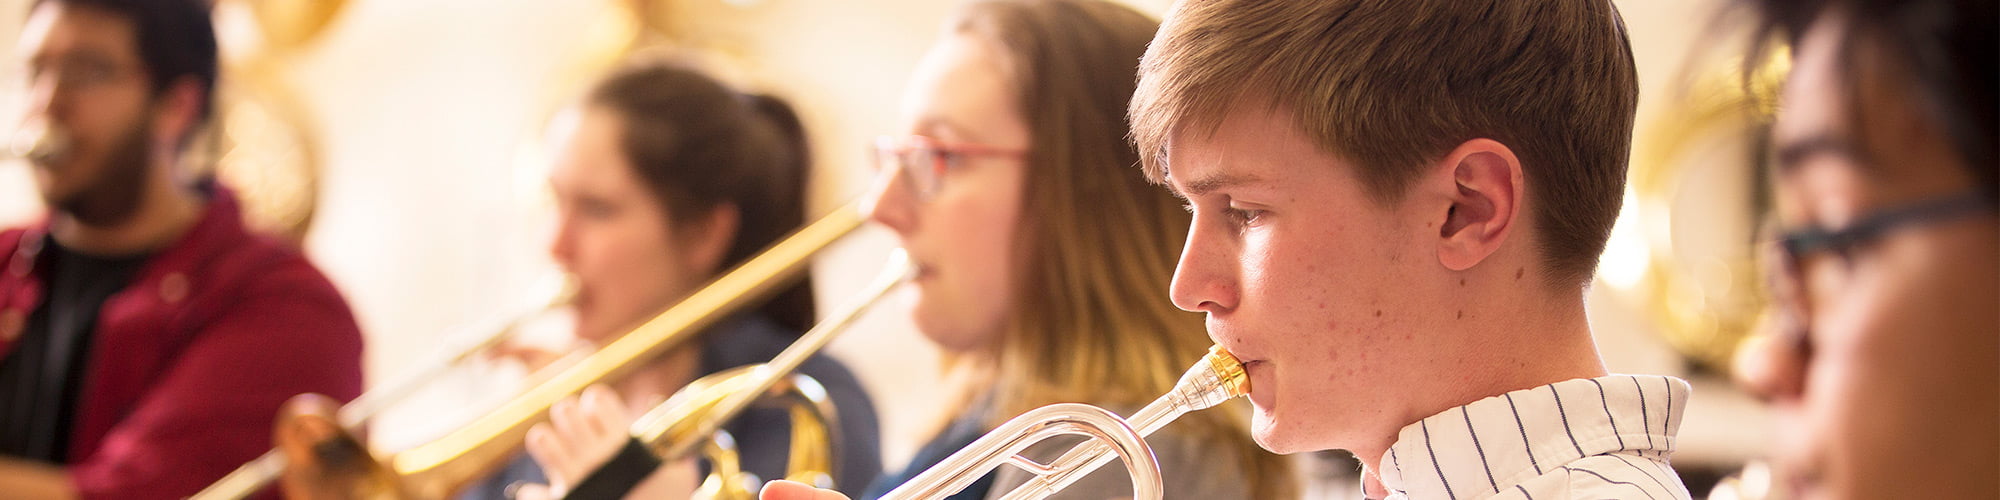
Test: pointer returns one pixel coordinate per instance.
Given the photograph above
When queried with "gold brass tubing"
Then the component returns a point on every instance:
(666, 428)
(439, 468)
(262, 471)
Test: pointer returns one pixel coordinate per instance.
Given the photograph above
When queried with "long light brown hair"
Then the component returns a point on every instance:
(1098, 243)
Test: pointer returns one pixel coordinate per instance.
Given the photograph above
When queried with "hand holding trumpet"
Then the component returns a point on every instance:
(791, 490)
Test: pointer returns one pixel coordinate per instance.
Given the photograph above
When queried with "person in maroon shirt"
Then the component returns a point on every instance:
(147, 338)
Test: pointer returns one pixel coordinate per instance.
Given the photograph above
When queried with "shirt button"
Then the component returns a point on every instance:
(174, 287)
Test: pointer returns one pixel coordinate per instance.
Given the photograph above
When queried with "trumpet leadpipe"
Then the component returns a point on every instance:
(1217, 378)
(39, 144)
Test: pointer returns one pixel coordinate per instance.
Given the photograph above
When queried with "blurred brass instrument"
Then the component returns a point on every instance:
(1216, 378)
(355, 415)
(686, 421)
(1684, 256)
(814, 437)
(38, 143)
(442, 467)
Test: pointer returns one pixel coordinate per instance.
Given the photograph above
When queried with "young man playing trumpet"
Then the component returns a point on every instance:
(1396, 210)
(1395, 229)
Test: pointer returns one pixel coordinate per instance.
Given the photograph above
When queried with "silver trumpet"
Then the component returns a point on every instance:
(39, 143)
(1217, 378)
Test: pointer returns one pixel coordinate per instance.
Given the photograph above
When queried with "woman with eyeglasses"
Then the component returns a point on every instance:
(1042, 256)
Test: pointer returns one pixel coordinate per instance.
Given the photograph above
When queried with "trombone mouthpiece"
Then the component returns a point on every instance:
(1217, 378)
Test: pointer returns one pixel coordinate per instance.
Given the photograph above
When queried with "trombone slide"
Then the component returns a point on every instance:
(685, 423)
(439, 468)
(263, 470)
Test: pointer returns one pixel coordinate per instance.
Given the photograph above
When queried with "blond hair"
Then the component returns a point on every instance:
(1390, 85)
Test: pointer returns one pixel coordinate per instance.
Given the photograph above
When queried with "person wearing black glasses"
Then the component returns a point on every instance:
(1885, 363)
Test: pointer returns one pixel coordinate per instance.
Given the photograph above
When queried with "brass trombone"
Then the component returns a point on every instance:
(684, 423)
(356, 414)
(441, 467)
(1216, 378)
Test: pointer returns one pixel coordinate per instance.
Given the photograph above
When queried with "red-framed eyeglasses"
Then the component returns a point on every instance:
(924, 160)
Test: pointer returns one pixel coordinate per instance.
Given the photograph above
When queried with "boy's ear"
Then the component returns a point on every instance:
(1487, 186)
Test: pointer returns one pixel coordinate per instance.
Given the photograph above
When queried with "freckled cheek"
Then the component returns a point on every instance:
(1284, 297)
(1301, 289)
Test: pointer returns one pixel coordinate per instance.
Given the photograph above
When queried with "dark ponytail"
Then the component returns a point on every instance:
(699, 145)
(791, 307)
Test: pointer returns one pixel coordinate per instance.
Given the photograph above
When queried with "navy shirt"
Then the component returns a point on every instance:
(762, 434)
(968, 427)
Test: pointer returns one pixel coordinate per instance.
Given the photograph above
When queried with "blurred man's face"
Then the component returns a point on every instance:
(86, 81)
(1884, 370)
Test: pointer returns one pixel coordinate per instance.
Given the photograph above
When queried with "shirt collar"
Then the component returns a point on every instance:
(1490, 445)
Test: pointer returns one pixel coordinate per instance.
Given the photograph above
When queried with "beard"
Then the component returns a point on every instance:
(112, 196)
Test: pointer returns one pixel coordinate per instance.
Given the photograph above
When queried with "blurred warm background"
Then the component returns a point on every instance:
(401, 140)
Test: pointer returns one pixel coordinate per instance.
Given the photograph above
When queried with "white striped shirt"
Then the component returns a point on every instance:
(1605, 437)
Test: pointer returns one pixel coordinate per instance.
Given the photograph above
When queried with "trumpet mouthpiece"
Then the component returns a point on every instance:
(38, 144)
(1217, 378)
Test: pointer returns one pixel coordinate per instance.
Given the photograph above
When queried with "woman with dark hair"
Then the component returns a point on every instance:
(663, 179)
